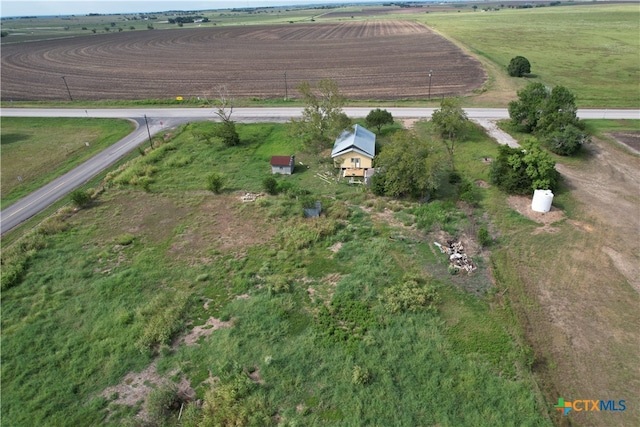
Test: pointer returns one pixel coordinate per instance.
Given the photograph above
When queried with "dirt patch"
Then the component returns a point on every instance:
(324, 289)
(522, 205)
(212, 324)
(335, 247)
(247, 59)
(608, 187)
(136, 386)
(224, 223)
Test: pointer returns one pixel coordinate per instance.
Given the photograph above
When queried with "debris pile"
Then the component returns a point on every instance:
(457, 258)
(251, 197)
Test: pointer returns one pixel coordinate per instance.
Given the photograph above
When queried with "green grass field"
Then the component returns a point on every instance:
(108, 289)
(36, 151)
(590, 49)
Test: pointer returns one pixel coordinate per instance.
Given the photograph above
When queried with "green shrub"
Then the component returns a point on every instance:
(215, 182)
(484, 238)
(80, 198)
(125, 239)
(278, 284)
(162, 317)
(234, 401)
(270, 185)
(411, 295)
(162, 402)
(468, 192)
(12, 273)
(360, 375)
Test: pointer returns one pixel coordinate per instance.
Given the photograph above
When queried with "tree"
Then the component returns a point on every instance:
(527, 110)
(521, 170)
(519, 66)
(551, 116)
(451, 123)
(322, 117)
(406, 167)
(378, 118)
(559, 111)
(567, 141)
(224, 108)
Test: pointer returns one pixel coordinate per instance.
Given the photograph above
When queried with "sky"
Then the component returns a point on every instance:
(82, 7)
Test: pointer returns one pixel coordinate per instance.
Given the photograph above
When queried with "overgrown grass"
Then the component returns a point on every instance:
(37, 150)
(584, 48)
(365, 335)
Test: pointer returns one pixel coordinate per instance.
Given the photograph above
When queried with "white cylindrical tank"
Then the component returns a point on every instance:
(541, 200)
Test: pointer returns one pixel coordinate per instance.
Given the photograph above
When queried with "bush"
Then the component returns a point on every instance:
(521, 170)
(360, 375)
(484, 238)
(215, 182)
(80, 198)
(228, 133)
(410, 295)
(468, 192)
(567, 141)
(519, 66)
(161, 402)
(270, 185)
(378, 184)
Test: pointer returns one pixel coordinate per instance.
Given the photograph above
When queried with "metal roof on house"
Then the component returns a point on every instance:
(281, 160)
(359, 139)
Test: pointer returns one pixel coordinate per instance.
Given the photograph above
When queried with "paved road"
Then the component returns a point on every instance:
(161, 118)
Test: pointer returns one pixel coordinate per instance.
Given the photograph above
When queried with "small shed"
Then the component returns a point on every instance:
(283, 165)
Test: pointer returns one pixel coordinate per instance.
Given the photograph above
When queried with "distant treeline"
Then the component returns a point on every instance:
(188, 19)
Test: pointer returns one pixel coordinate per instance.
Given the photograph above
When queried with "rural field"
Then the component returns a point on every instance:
(163, 299)
(370, 60)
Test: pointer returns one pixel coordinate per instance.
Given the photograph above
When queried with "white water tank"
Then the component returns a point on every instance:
(541, 200)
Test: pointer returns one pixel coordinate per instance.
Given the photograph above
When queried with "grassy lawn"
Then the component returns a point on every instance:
(590, 49)
(36, 151)
(313, 338)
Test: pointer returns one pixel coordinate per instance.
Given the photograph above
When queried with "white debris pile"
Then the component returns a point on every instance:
(457, 258)
(251, 197)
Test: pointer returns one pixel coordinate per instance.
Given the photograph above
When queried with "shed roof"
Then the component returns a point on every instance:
(359, 139)
(281, 160)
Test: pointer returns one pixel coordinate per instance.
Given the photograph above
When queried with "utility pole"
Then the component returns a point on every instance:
(148, 131)
(67, 86)
(286, 88)
(430, 74)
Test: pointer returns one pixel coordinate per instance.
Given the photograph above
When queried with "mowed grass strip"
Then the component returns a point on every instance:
(37, 150)
(590, 49)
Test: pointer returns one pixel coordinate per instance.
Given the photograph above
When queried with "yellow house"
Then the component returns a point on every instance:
(353, 151)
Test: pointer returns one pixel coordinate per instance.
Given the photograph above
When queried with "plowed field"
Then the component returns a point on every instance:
(369, 60)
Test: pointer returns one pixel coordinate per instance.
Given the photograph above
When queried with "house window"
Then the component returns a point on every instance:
(356, 162)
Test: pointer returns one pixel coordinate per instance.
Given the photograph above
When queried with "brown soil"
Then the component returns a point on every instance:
(522, 205)
(212, 324)
(368, 59)
(584, 326)
(135, 387)
(225, 224)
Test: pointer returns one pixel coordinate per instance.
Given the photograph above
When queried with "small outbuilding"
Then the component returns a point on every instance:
(283, 165)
